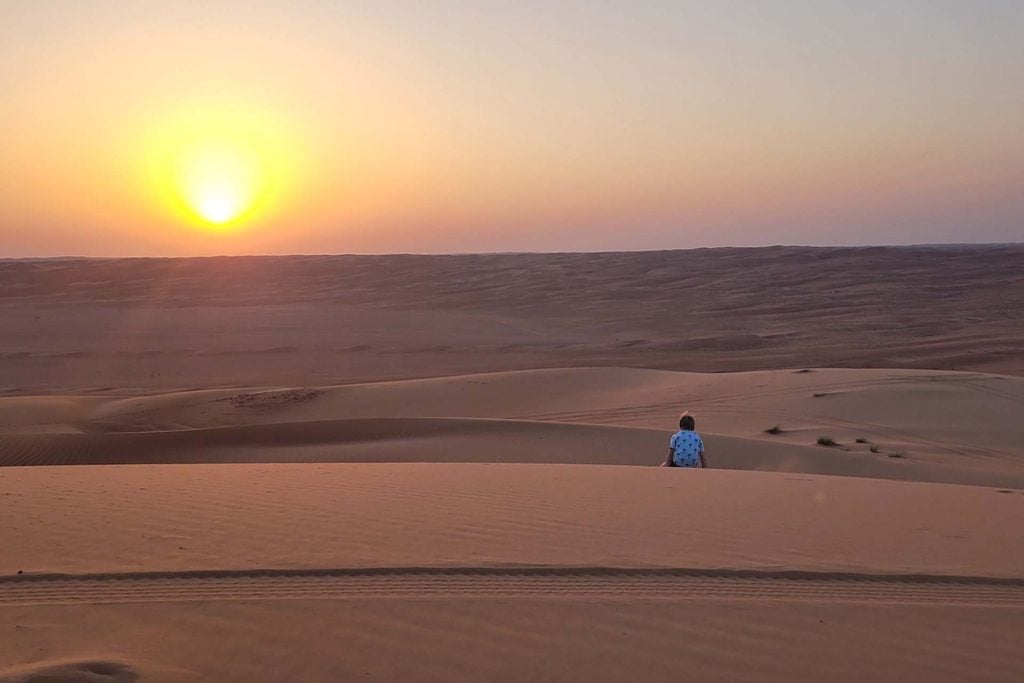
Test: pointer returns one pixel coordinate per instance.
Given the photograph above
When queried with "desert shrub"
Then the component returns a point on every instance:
(826, 441)
(773, 430)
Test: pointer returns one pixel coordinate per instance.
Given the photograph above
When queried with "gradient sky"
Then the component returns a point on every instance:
(516, 126)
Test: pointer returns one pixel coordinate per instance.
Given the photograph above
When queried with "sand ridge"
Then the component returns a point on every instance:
(896, 424)
(177, 518)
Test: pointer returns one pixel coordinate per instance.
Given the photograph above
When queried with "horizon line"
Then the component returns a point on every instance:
(921, 245)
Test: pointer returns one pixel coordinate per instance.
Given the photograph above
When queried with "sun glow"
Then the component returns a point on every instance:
(221, 169)
(219, 181)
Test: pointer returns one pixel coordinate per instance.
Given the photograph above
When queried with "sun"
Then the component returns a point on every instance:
(220, 168)
(218, 207)
(219, 181)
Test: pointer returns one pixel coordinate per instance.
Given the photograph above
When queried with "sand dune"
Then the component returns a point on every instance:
(406, 569)
(441, 468)
(464, 440)
(165, 324)
(503, 639)
(925, 426)
(287, 516)
(357, 440)
(76, 671)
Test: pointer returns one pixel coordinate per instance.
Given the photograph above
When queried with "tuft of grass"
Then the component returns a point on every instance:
(773, 430)
(861, 439)
(874, 449)
(803, 372)
(895, 455)
(826, 441)
(818, 395)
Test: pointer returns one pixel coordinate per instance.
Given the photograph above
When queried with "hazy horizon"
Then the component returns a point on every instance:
(154, 128)
(312, 254)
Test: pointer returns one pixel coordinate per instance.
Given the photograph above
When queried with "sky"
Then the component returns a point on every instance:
(150, 128)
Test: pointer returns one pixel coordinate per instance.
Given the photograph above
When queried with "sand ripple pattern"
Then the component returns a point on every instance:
(517, 582)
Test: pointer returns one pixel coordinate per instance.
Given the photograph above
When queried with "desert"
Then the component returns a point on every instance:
(473, 341)
(446, 468)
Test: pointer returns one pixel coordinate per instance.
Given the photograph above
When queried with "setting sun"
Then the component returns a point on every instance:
(220, 168)
(219, 181)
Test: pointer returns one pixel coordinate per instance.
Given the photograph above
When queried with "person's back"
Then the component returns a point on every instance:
(686, 448)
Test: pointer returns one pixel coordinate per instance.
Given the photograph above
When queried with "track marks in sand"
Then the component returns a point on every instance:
(511, 582)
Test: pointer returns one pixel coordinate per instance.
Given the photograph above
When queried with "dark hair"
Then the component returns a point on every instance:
(687, 422)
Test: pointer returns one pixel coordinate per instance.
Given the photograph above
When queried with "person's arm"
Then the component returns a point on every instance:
(703, 462)
(668, 460)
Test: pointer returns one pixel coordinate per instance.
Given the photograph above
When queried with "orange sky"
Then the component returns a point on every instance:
(506, 126)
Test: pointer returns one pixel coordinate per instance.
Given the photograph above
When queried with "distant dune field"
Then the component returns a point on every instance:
(164, 324)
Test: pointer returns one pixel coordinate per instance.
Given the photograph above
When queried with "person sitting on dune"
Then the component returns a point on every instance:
(686, 449)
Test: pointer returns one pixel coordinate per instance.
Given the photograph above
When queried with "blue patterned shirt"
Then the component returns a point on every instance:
(686, 448)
